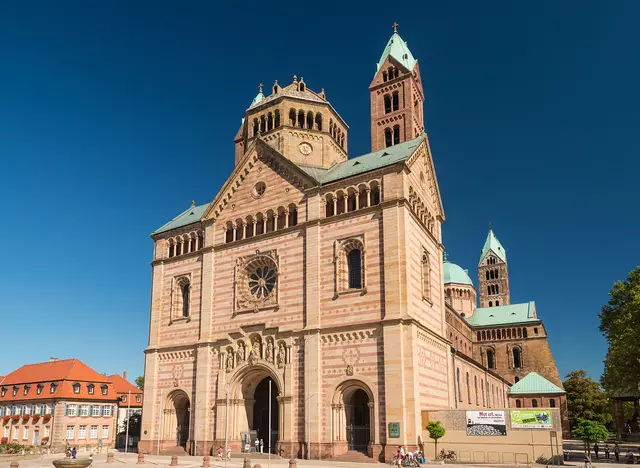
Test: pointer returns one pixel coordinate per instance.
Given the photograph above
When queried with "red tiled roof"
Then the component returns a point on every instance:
(64, 373)
(122, 386)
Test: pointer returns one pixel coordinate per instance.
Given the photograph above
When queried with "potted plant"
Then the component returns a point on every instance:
(44, 440)
(5, 419)
(36, 418)
(15, 418)
(4, 440)
(46, 417)
(25, 417)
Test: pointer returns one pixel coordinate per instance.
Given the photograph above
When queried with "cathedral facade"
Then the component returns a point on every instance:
(309, 302)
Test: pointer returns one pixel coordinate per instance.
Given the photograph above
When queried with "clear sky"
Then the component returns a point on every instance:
(114, 115)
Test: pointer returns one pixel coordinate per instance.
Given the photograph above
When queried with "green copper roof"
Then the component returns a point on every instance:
(534, 383)
(189, 216)
(492, 243)
(503, 315)
(366, 162)
(454, 274)
(259, 97)
(399, 50)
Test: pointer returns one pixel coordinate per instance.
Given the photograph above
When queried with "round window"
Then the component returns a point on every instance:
(262, 280)
(259, 189)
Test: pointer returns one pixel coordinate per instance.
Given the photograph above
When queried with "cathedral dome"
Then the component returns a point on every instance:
(455, 274)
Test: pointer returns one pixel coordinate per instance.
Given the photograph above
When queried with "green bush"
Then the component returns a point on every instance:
(15, 448)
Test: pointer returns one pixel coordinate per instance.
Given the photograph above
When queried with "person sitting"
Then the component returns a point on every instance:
(629, 457)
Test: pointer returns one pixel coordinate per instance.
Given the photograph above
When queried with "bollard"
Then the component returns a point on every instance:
(206, 461)
(246, 463)
(109, 457)
(293, 463)
(14, 464)
(257, 466)
(140, 458)
(174, 460)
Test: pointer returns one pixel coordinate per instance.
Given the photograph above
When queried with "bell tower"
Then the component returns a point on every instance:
(493, 274)
(397, 97)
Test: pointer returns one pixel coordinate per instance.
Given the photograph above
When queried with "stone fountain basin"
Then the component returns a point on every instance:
(72, 463)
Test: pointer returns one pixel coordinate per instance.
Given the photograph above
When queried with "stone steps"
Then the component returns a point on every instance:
(354, 456)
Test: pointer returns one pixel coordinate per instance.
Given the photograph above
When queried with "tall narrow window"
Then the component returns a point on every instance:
(292, 117)
(518, 404)
(301, 119)
(387, 103)
(475, 389)
(396, 134)
(516, 358)
(354, 265)
(388, 137)
(552, 403)
(458, 384)
(396, 99)
(534, 403)
(484, 402)
(491, 363)
(277, 118)
(426, 276)
(319, 122)
(186, 292)
(468, 389)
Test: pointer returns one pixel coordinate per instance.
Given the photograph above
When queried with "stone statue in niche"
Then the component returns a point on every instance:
(281, 355)
(229, 361)
(269, 352)
(349, 369)
(241, 352)
(254, 357)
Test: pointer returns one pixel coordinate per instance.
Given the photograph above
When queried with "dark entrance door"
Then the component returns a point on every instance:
(358, 424)
(261, 413)
(182, 432)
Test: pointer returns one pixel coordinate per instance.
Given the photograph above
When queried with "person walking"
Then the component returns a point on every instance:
(228, 453)
(606, 450)
(261, 446)
(616, 452)
(74, 452)
(596, 449)
(220, 453)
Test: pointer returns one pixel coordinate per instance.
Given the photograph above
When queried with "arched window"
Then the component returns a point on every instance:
(489, 289)
(172, 250)
(491, 363)
(354, 266)
(269, 121)
(396, 134)
(497, 303)
(301, 119)
(271, 224)
(292, 117)
(524, 332)
(182, 291)
(384, 76)
(552, 403)
(534, 403)
(478, 336)
(263, 124)
(468, 389)
(319, 122)
(255, 127)
(497, 289)
(459, 388)
(293, 216)
(228, 233)
(518, 404)
(277, 118)
(186, 293)
(388, 138)
(484, 403)
(490, 304)
(387, 103)
(516, 358)
(475, 388)
(396, 101)
(391, 74)
(329, 206)
(487, 275)
(310, 120)
(516, 379)
(426, 277)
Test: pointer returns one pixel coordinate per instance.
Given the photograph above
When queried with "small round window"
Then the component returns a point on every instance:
(259, 189)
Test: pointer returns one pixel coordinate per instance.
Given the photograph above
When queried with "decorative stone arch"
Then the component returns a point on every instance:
(177, 417)
(342, 251)
(345, 394)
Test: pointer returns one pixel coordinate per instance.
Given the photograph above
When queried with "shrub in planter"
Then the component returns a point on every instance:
(4, 440)
(15, 418)
(36, 417)
(44, 440)
(25, 417)
(46, 417)
(5, 419)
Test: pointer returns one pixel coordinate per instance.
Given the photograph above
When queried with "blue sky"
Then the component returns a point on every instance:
(115, 115)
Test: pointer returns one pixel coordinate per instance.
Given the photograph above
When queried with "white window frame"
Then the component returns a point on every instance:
(76, 388)
(25, 432)
(84, 410)
(16, 429)
(82, 432)
(70, 432)
(138, 398)
(47, 431)
(105, 390)
(95, 410)
(124, 398)
(107, 410)
(90, 389)
(93, 433)
(105, 431)
(72, 410)
(7, 429)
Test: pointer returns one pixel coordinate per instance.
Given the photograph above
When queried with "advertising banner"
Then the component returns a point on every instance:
(531, 419)
(486, 423)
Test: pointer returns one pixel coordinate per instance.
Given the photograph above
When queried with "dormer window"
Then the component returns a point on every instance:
(138, 399)
(124, 398)
(76, 388)
(105, 389)
(52, 387)
(39, 389)
(15, 390)
(3, 392)
(26, 389)
(90, 389)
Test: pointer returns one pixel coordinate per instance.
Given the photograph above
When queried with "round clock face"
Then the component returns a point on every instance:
(305, 148)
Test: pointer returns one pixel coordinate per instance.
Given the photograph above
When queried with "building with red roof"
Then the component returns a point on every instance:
(129, 403)
(58, 403)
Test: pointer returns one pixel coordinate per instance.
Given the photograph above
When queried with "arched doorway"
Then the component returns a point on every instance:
(261, 405)
(358, 420)
(178, 416)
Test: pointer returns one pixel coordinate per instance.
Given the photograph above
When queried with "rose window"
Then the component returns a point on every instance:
(262, 280)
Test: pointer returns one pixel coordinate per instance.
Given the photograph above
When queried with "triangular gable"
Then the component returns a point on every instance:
(389, 61)
(258, 150)
(424, 150)
(533, 383)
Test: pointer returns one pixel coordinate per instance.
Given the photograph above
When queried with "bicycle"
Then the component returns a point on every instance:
(449, 455)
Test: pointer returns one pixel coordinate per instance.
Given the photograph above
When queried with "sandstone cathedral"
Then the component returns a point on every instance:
(311, 303)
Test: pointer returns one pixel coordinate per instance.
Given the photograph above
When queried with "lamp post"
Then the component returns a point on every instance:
(126, 437)
(160, 420)
(226, 428)
(269, 450)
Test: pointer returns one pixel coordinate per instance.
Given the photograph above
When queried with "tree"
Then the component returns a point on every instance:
(590, 432)
(586, 399)
(134, 422)
(620, 322)
(436, 431)
(140, 382)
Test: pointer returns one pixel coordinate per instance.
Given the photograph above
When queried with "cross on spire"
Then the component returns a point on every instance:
(395, 27)
(260, 87)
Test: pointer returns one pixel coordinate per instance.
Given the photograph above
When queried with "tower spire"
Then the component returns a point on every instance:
(493, 273)
(395, 27)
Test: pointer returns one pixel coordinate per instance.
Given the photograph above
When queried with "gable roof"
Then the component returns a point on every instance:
(534, 383)
(122, 385)
(366, 162)
(66, 369)
(399, 50)
(502, 315)
(189, 216)
(291, 90)
(493, 244)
